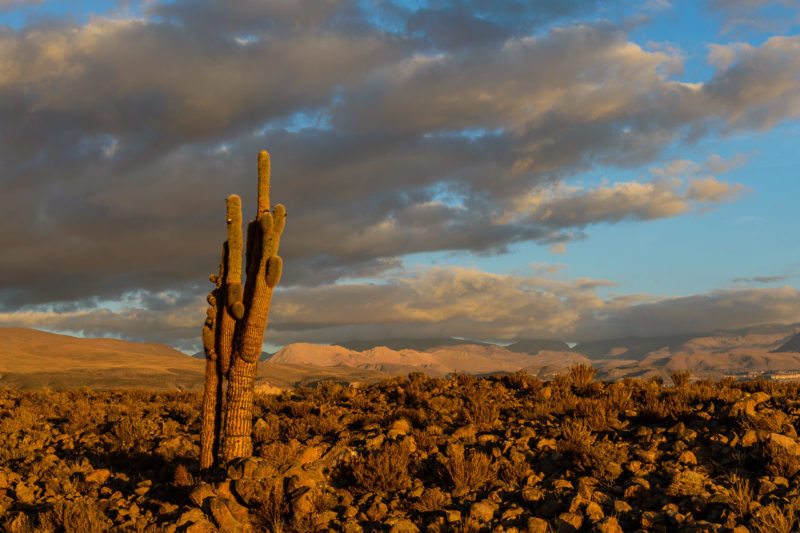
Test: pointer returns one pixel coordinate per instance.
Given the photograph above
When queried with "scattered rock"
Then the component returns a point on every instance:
(608, 525)
(99, 476)
(483, 511)
(537, 525)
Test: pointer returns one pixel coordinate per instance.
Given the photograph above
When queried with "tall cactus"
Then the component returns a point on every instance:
(235, 322)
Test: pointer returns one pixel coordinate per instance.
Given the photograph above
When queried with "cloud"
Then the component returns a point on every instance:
(121, 136)
(439, 301)
(698, 313)
(453, 301)
(562, 206)
(761, 279)
(770, 15)
(8, 4)
(760, 88)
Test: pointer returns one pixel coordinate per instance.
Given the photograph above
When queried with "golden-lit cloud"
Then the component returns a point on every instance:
(438, 302)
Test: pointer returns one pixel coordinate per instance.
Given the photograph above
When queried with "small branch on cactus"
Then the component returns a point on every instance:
(233, 332)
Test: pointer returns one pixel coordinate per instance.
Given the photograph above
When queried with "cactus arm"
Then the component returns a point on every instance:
(264, 169)
(256, 322)
(212, 389)
(232, 308)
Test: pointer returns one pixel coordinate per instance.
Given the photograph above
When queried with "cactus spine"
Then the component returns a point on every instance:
(235, 322)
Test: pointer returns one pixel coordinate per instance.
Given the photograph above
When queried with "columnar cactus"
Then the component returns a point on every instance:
(235, 322)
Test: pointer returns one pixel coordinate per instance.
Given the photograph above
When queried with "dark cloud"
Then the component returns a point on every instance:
(697, 313)
(761, 279)
(764, 15)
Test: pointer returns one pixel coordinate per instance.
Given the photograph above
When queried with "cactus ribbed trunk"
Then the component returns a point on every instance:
(238, 411)
(234, 330)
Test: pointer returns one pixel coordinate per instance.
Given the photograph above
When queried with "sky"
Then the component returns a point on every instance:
(487, 170)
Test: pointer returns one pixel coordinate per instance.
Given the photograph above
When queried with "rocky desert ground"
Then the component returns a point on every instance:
(503, 453)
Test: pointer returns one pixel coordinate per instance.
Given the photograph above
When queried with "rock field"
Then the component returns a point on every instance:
(506, 453)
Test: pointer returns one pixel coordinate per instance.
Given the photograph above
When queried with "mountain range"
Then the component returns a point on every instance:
(35, 359)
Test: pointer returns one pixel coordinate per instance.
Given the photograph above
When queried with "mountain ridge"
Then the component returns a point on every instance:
(32, 358)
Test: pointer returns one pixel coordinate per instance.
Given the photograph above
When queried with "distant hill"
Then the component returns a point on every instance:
(202, 355)
(399, 343)
(629, 347)
(441, 360)
(792, 345)
(35, 359)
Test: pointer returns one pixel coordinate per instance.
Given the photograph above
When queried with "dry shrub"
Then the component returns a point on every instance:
(767, 420)
(595, 414)
(468, 471)
(760, 385)
(618, 396)
(680, 378)
(576, 440)
(514, 470)
(299, 409)
(740, 496)
(441, 405)
(325, 424)
(580, 376)
(432, 499)
(605, 459)
(267, 429)
(521, 380)
(426, 441)
(22, 418)
(416, 395)
(271, 510)
(480, 408)
(465, 380)
(358, 401)
(134, 432)
(704, 390)
(78, 516)
(329, 391)
(417, 416)
(383, 471)
(536, 411)
(667, 405)
(182, 411)
(297, 428)
(686, 483)
(773, 518)
(561, 385)
(19, 523)
(279, 454)
(467, 525)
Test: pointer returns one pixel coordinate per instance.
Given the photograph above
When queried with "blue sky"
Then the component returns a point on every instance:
(485, 170)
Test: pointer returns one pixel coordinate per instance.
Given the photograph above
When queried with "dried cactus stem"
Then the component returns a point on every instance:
(211, 410)
(210, 421)
(239, 411)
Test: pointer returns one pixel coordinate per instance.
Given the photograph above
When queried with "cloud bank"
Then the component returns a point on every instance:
(455, 127)
(461, 302)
